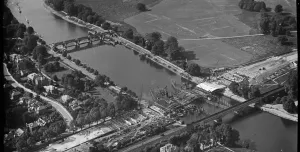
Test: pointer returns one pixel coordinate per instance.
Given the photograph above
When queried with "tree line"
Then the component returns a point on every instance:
(169, 50)
(80, 11)
(243, 89)
(191, 140)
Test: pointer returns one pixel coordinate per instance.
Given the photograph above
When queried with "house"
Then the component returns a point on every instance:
(15, 57)
(25, 66)
(15, 95)
(41, 109)
(19, 132)
(66, 98)
(41, 80)
(169, 148)
(51, 89)
(31, 76)
(24, 100)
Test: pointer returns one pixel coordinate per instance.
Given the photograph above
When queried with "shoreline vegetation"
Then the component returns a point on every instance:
(171, 54)
(142, 41)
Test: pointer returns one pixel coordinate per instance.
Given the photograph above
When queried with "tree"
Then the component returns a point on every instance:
(278, 8)
(254, 92)
(228, 135)
(20, 33)
(282, 39)
(115, 29)
(21, 144)
(129, 34)
(70, 8)
(64, 54)
(141, 7)
(158, 47)
(31, 141)
(55, 78)
(58, 5)
(153, 37)
(106, 26)
(194, 69)
(111, 109)
(289, 106)
(87, 119)
(99, 21)
(41, 60)
(278, 101)
(40, 50)
(24, 50)
(244, 143)
(233, 87)
(292, 84)
(264, 25)
(171, 43)
(69, 57)
(80, 120)
(90, 19)
(30, 30)
(96, 72)
(77, 62)
(31, 42)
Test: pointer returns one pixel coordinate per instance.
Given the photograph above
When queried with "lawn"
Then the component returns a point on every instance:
(59, 74)
(258, 46)
(190, 20)
(213, 53)
(116, 10)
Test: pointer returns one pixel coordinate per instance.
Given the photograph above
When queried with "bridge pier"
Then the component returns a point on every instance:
(77, 44)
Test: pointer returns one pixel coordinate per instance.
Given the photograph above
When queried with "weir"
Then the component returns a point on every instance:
(77, 42)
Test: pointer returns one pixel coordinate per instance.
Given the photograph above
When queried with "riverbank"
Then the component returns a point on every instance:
(61, 15)
(278, 110)
(128, 44)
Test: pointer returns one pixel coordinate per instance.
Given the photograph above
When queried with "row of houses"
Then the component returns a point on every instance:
(36, 106)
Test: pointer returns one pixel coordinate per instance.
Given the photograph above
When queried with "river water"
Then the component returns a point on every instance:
(270, 133)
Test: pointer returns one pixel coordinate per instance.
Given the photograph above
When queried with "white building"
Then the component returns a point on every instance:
(65, 98)
(31, 76)
(169, 148)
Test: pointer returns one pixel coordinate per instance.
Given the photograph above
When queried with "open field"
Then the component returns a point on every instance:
(188, 20)
(258, 46)
(191, 19)
(249, 18)
(116, 10)
(213, 53)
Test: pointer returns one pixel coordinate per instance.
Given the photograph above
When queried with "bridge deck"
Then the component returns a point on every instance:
(235, 107)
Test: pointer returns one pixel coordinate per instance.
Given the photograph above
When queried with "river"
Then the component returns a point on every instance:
(270, 133)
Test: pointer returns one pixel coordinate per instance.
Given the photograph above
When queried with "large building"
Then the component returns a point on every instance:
(169, 148)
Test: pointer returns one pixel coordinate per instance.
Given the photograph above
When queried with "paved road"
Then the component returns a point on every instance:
(61, 109)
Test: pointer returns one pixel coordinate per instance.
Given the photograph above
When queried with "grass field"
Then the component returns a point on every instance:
(116, 10)
(258, 46)
(213, 53)
(189, 20)
(59, 74)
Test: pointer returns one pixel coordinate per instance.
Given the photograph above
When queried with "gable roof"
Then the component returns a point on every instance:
(210, 87)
